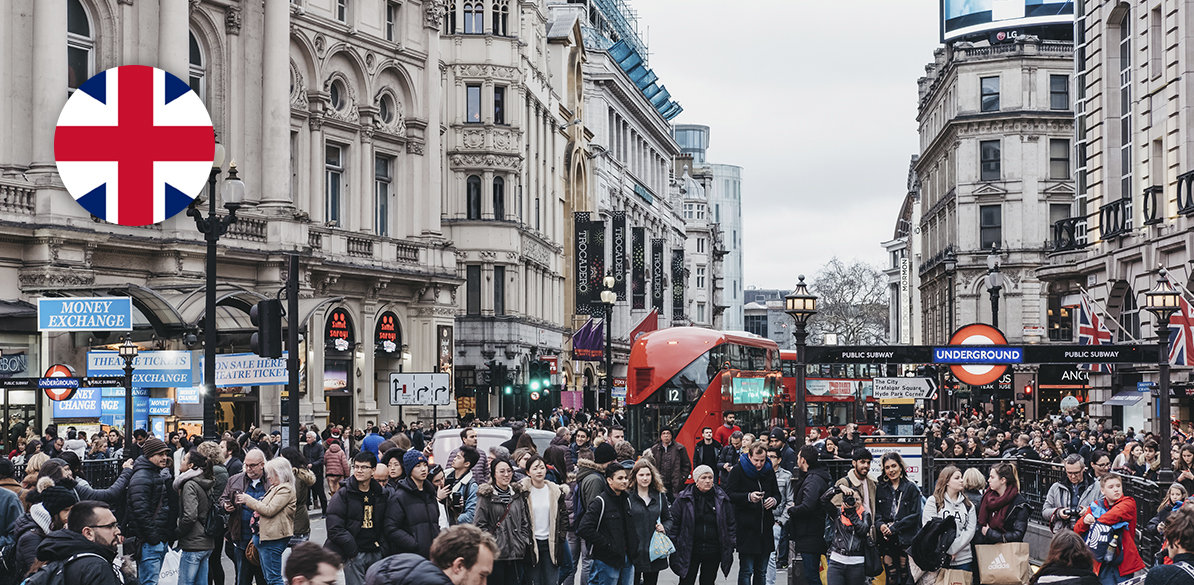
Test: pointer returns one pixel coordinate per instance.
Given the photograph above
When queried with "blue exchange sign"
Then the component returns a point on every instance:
(85, 314)
(84, 404)
(978, 355)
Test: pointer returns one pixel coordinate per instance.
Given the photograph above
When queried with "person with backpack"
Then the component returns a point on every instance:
(608, 530)
(84, 552)
(1116, 555)
(194, 487)
(44, 517)
(148, 511)
(590, 482)
(1179, 534)
(948, 500)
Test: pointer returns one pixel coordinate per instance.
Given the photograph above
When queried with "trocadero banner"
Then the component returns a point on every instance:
(618, 260)
(590, 261)
(638, 267)
(678, 283)
(657, 271)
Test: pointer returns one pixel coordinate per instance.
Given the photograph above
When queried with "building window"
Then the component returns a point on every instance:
(700, 245)
(499, 290)
(391, 21)
(474, 197)
(342, 10)
(501, 14)
(1058, 212)
(472, 275)
(499, 105)
(990, 226)
(700, 277)
(1129, 316)
(474, 18)
(1060, 320)
(333, 182)
(197, 71)
(538, 227)
(700, 312)
(700, 211)
(80, 45)
(336, 93)
(499, 198)
(1059, 92)
(990, 94)
(451, 24)
(757, 324)
(989, 159)
(1125, 107)
(1059, 159)
(473, 98)
(688, 211)
(383, 178)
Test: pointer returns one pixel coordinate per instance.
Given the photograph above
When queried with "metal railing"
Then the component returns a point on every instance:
(1115, 219)
(101, 473)
(1068, 234)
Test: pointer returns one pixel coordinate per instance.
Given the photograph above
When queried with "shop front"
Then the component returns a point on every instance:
(388, 350)
(1061, 388)
(338, 369)
(19, 358)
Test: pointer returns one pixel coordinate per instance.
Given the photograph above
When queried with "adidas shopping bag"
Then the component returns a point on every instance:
(1005, 563)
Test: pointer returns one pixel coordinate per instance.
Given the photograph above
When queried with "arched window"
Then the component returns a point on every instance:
(499, 198)
(474, 197)
(501, 14)
(474, 18)
(80, 45)
(451, 23)
(198, 71)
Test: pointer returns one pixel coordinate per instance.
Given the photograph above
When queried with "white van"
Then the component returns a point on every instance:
(448, 439)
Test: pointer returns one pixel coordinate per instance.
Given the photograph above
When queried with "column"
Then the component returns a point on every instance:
(431, 156)
(174, 49)
(50, 80)
(275, 101)
(318, 206)
(368, 203)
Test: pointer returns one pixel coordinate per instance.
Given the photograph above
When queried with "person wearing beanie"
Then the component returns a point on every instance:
(111, 495)
(778, 439)
(412, 509)
(148, 508)
(590, 482)
(44, 517)
(673, 462)
(8, 479)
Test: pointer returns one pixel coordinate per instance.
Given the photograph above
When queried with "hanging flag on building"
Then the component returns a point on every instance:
(1092, 331)
(588, 343)
(1181, 335)
(648, 324)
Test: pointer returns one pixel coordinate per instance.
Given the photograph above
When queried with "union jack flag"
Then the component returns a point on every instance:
(134, 145)
(1091, 331)
(1181, 335)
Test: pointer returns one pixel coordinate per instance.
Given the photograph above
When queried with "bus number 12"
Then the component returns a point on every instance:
(673, 395)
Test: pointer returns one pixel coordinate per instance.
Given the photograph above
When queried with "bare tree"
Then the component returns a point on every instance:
(852, 304)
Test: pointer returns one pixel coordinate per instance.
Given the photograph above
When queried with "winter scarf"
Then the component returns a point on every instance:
(994, 508)
(749, 468)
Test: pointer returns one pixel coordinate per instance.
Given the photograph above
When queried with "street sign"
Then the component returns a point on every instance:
(103, 381)
(978, 370)
(59, 388)
(889, 388)
(1032, 354)
(420, 389)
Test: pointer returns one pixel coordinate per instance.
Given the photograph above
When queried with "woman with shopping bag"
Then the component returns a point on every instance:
(1116, 513)
(1003, 514)
(1069, 562)
(650, 513)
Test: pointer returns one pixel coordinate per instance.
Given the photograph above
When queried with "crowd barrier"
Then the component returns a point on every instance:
(101, 473)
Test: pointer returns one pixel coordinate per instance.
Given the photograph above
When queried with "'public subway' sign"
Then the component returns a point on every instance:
(151, 369)
(85, 314)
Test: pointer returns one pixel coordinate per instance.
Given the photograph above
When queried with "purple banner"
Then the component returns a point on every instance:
(588, 343)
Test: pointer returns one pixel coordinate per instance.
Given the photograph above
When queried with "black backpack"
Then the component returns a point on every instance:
(217, 518)
(53, 573)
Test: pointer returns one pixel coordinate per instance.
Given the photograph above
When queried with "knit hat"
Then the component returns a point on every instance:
(777, 433)
(6, 467)
(604, 453)
(411, 459)
(57, 498)
(152, 446)
(702, 470)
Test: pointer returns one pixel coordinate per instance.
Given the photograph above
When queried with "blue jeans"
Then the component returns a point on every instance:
(192, 567)
(812, 568)
(752, 568)
(271, 558)
(603, 574)
(149, 568)
(1109, 575)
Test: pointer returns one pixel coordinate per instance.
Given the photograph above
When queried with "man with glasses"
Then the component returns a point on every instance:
(1067, 497)
(251, 481)
(355, 520)
(87, 546)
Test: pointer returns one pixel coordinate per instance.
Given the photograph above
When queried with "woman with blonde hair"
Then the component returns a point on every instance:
(649, 514)
(973, 484)
(274, 517)
(32, 472)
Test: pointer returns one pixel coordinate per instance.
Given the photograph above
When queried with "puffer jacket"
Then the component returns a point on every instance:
(303, 480)
(412, 517)
(557, 520)
(194, 498)
(1123, 510)
(900, 510)
(965, 523)
(85, 569)
(806, 517)
(513, 532)
(149, 516)
(335, 462)
(406, 569)
(29, 531)
(674, 465)
(683, 512)
(850, 526)
(607, 529)
(350, 511)
(275, 511)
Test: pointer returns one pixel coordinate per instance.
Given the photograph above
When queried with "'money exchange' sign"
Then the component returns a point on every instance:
(85, 314)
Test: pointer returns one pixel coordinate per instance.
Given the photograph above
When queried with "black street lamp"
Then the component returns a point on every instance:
(951, 267)
(213, 227)
(801, 305)
(1162, 301)
(128, 351)
(608, 298)
(994, 284)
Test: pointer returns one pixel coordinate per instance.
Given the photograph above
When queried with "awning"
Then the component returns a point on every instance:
(18, 316)
(1126, 398)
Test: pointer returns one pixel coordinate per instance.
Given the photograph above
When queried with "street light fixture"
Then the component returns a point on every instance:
(801, 305)
(608, 298)
(994, 283)
(212, 227)
(1163, 301)
(950, 263)
(128, 351)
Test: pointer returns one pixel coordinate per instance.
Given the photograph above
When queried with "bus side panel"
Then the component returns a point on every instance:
(707, 413)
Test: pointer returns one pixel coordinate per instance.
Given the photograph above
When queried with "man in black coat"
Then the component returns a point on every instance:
(87, 546)
(149, 516)
(608, 530)
(806, 517)
(706, 450)
(313, 451)
(728, 458)
(412, 510)
(778, 440)
(754, 492)
(460, 555)
(355, 518)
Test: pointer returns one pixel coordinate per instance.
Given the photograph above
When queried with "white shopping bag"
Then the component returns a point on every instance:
(169, 574)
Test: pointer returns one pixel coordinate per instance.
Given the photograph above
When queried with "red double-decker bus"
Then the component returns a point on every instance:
(836, 394)
(684, 378)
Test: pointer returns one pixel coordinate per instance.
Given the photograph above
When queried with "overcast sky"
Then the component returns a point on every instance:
(815, 100)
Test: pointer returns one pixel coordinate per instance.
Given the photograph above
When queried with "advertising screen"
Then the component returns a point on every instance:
(965, 17)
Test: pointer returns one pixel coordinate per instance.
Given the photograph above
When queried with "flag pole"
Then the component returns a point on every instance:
(1106, 315)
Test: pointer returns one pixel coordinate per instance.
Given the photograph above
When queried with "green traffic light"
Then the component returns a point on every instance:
(509, 389)
(534, 385)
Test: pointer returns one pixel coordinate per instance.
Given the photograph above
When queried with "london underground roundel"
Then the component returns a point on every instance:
(978, 334)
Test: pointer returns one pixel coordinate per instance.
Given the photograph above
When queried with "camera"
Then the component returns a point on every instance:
(847, 499)
(1073, 513)
(456, 500)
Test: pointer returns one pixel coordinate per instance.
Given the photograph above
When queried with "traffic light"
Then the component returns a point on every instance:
(539, 377)
(1028, 391)
(267, 316)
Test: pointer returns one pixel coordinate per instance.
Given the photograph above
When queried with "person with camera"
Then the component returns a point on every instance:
(897, 517)
(1066, 498)
(851, 524)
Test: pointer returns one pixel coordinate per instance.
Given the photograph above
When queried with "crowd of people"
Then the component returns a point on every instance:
(590, 506)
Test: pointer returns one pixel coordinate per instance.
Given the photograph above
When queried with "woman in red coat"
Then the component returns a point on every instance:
(1120, 508)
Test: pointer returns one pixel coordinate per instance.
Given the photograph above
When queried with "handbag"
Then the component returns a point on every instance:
(661, 545)
(1004, 563)
(253, 555)
(872, 563)
(954, 577)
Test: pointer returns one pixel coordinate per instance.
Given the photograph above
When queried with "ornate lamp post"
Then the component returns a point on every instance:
(801, 305)
(1162, 301)
(608, 298)
(128, 351)
(213, 227)
(950, 263)
(994, 284)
